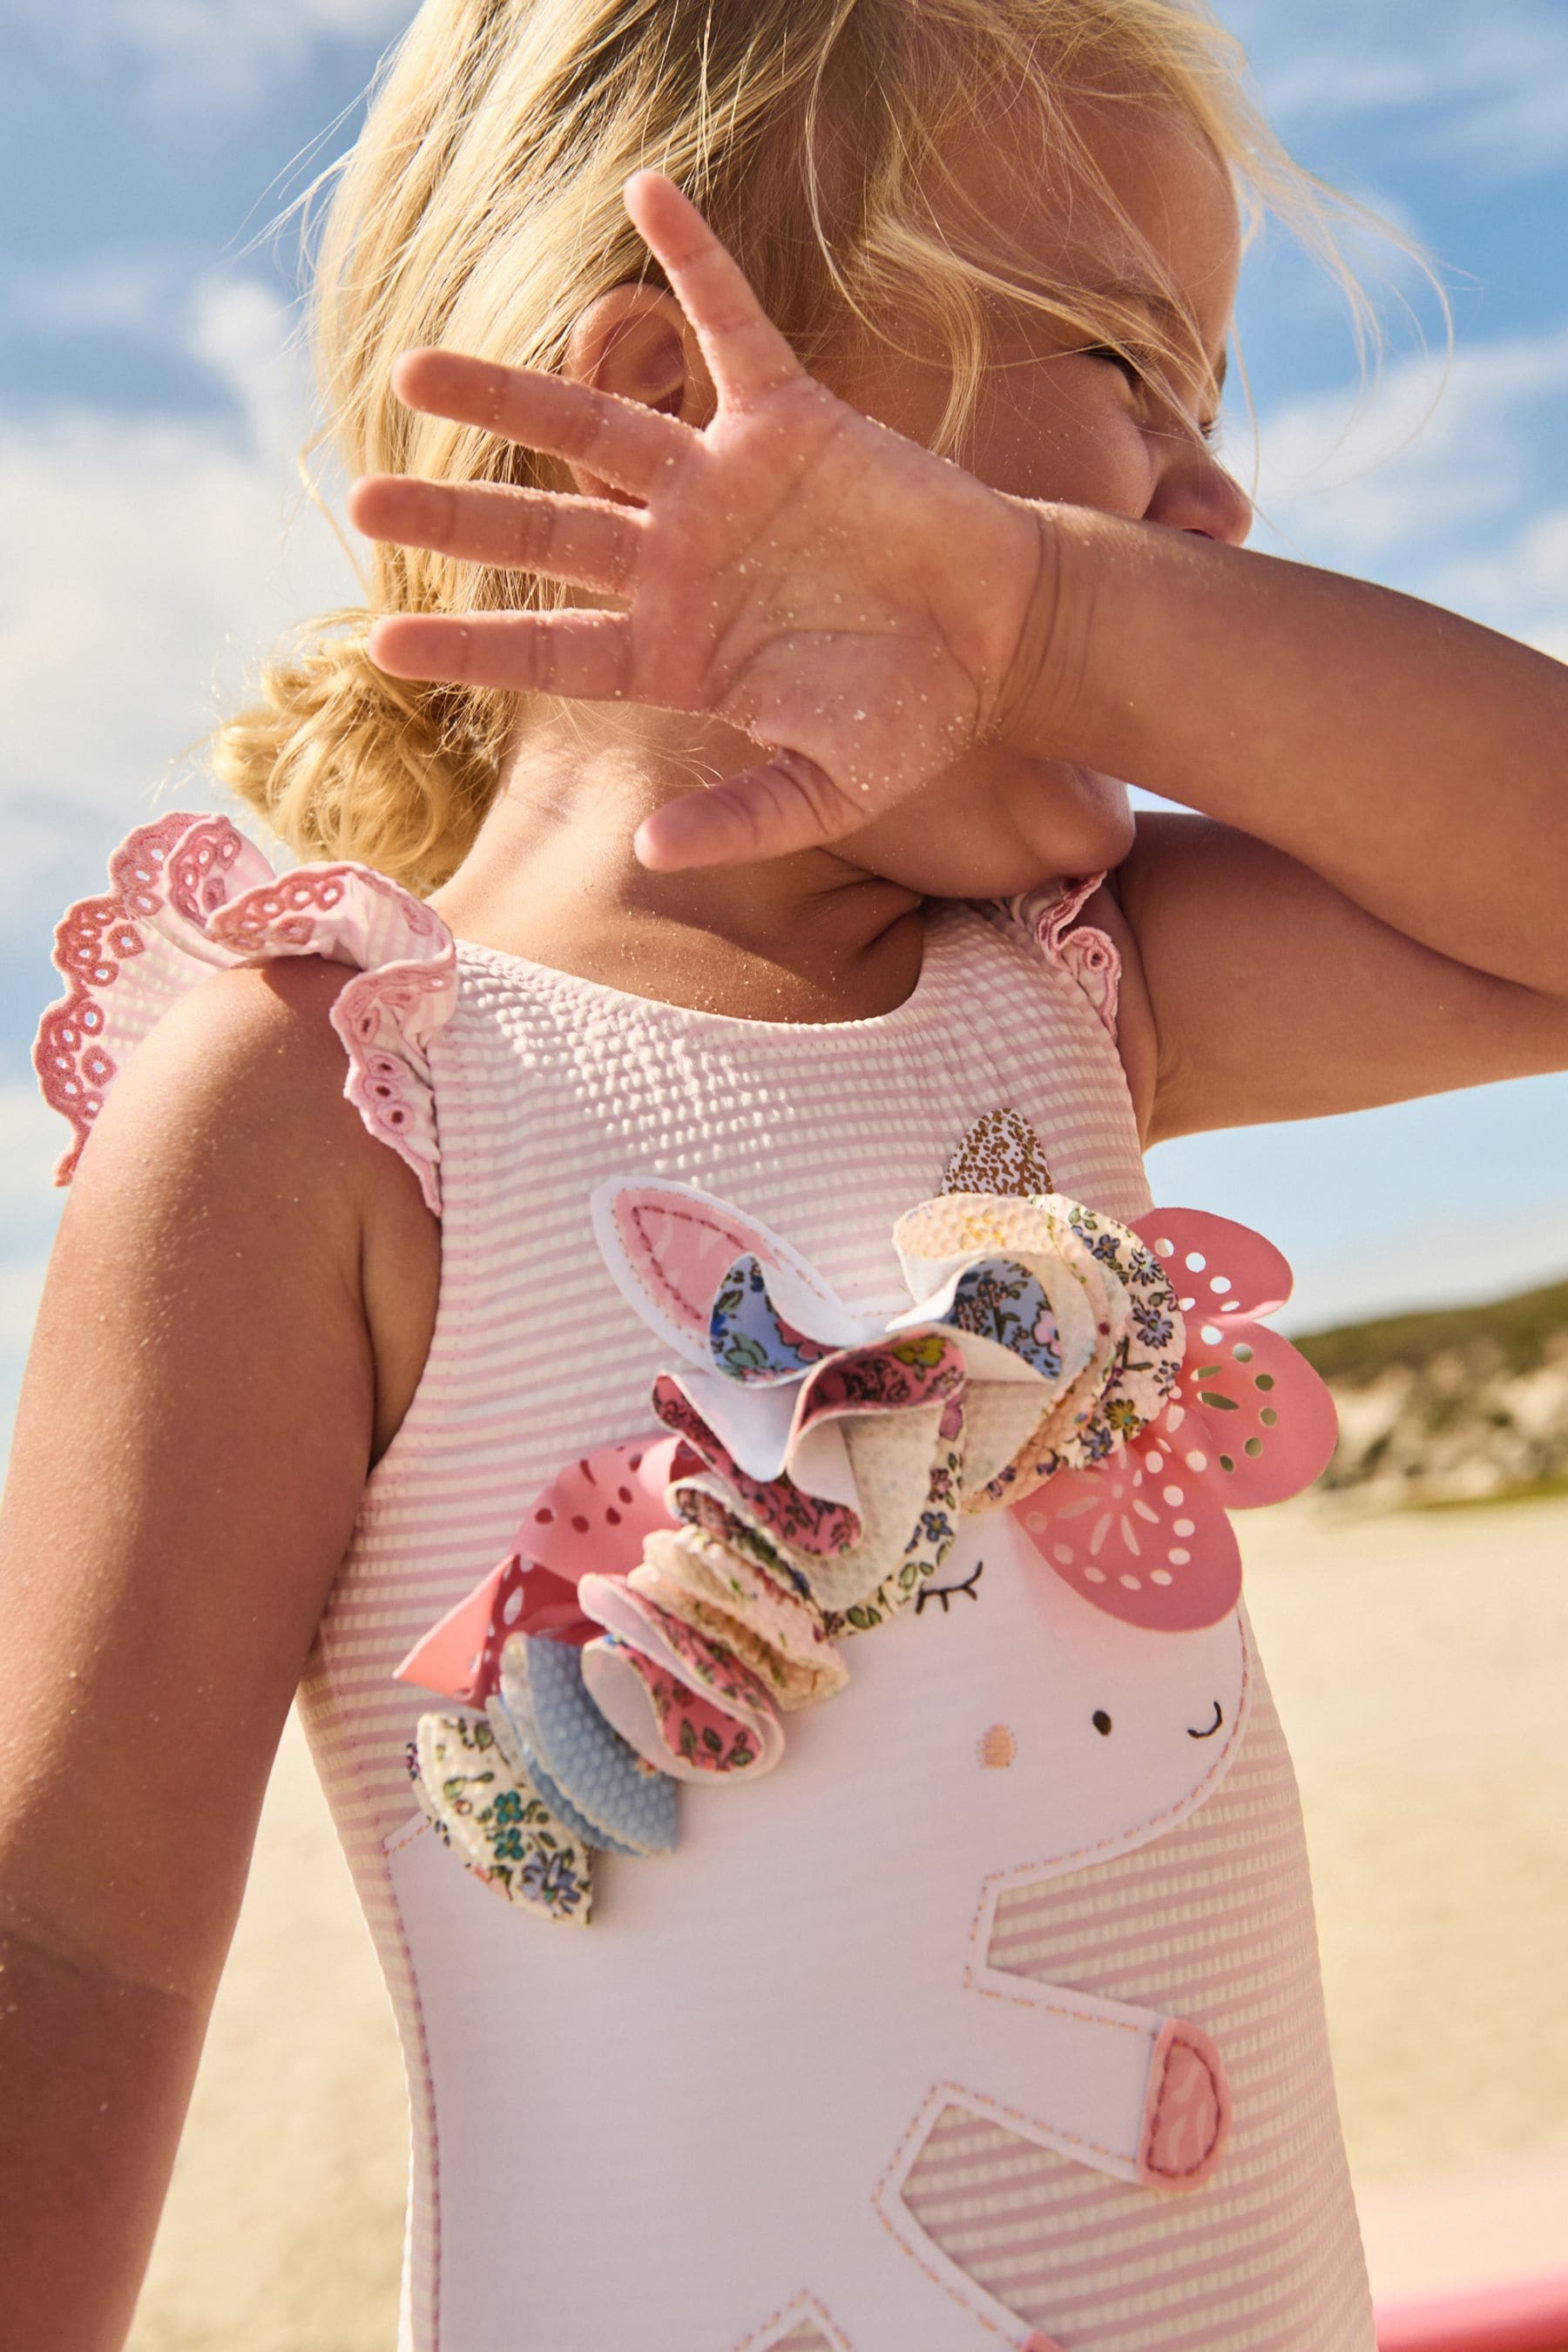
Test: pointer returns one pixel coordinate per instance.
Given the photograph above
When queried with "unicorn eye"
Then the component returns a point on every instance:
(1101, 1722)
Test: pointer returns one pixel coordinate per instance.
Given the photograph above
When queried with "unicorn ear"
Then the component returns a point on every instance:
(1001, 1153)
(668, 1247)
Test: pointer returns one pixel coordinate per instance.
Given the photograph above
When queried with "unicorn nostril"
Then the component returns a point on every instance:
(1209, 1728)
(1101, 1722)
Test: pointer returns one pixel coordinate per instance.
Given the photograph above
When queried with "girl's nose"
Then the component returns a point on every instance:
(1195, 493)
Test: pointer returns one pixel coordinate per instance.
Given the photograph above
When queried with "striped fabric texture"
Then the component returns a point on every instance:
(544, 1085)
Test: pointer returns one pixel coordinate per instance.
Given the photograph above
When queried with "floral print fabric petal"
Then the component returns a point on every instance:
(495, 1820)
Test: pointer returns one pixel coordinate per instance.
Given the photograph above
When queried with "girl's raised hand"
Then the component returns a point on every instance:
(864, 609)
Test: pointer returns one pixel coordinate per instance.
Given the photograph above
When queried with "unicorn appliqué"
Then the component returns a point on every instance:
(788, 1982)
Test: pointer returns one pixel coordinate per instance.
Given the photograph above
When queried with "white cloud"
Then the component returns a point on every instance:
(21, 1287)
(218, 51)
(1364, 480)
(108, 297)
(152, 561)
(1521, 586)
(1489, 85)
(32, 1138)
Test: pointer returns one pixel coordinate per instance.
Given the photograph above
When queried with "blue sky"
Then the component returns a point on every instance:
(154, 544)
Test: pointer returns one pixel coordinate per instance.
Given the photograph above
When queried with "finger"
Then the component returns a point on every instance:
(587, 541)
(767, 812)
(585, 655)
(745, 352)
(621, 442)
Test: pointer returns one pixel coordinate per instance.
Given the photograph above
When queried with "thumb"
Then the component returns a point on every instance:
(786, 804)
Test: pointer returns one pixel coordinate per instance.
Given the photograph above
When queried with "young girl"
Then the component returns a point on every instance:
(707, 1394)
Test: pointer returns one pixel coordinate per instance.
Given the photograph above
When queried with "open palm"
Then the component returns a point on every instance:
(858, 605)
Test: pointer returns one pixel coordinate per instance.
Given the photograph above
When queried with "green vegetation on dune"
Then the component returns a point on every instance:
(1528, 1490)
(1520, 1329)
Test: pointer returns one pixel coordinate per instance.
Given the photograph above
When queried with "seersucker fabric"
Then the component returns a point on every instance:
(545, 2212)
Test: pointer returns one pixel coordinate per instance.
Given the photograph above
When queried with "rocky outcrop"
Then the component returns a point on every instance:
(1467, 1402)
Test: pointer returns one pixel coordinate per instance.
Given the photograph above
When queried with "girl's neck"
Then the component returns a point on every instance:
(552, 878)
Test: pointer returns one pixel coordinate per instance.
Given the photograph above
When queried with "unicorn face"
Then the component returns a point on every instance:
(1059, 1732)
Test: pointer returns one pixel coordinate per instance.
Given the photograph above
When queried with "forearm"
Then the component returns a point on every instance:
(1350, 726)
(95, 2075)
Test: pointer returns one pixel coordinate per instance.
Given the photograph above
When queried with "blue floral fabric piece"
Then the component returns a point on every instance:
(1002, 1300)
(586, 1771)
(750, 1339)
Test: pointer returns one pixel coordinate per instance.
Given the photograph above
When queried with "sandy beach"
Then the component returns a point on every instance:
(1420, 1662)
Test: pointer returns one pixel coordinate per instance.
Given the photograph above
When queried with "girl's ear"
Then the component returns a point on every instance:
(634, 341)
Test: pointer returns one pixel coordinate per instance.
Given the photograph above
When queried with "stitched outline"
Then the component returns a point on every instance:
(416, 1826)
(1086, 2011)
(804, 2306)
(907, 2233)
(647, 1257)
(1142, 1834)
(979, 1977)
(420, 2285)
(702, 1210)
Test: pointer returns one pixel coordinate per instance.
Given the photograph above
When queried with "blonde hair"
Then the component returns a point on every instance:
(480, 208)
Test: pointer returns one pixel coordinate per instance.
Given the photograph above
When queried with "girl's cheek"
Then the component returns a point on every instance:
(1085, 452)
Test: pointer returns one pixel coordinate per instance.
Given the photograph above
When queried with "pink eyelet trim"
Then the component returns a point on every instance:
(1049, 915)
(189, 896)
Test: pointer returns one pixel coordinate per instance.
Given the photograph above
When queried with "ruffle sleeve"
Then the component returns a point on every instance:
(189, 896)
(1050, 916)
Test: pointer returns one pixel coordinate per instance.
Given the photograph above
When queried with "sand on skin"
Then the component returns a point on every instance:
(1420, 1664)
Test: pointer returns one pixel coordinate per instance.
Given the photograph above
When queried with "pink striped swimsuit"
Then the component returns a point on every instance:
(852, 2069)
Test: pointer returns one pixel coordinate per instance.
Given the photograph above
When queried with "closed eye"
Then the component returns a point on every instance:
(1141, 369)
(1133, 365)
(945, 1592)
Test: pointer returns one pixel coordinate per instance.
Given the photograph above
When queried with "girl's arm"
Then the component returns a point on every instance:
(1377, 909)
(219, 1352)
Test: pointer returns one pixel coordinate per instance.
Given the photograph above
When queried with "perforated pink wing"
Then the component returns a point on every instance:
(1256, 1413)
(1216, 1268)
(1139, 1537)
(1144, 1535)
(594, 1516)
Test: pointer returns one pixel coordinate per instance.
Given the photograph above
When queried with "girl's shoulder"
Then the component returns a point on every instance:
(190, 896)
(262, 1044)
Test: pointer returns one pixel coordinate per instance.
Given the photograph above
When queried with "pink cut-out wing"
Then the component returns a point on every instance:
(594, 1514)
(1256, 1414)
(1140, 1538)
(668, 1247)
(450, 1658)
(460, 1657)
(1215, 1266)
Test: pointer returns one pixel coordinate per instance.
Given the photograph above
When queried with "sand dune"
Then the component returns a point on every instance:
(1421, 1666)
